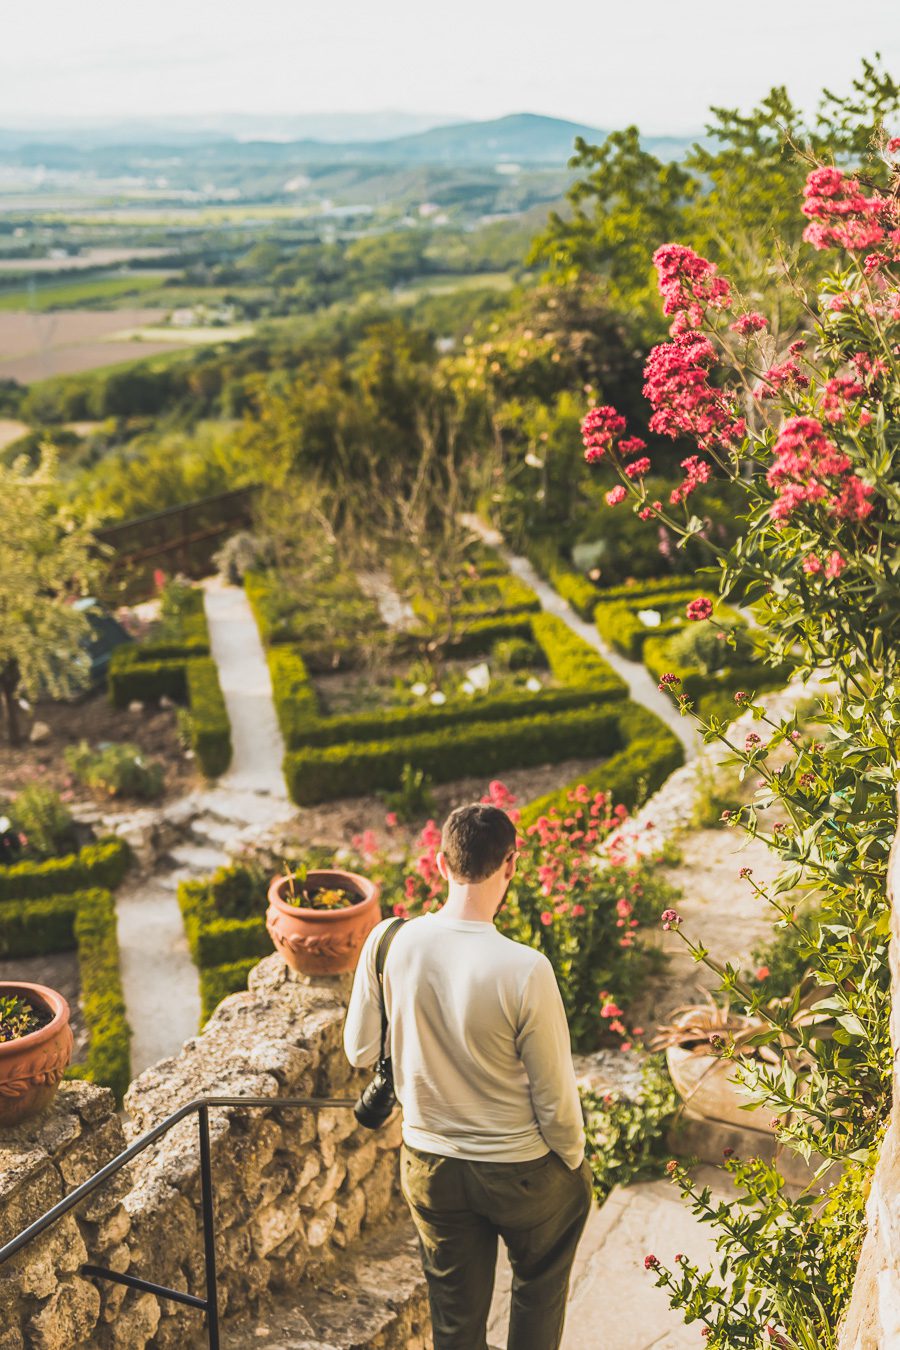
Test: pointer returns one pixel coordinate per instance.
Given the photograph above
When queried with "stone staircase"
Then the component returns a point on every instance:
(372, 1298)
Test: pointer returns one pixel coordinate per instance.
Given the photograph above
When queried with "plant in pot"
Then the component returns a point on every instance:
(319, 918)
(694, 1042)
(706, 1043)
(35, 1048)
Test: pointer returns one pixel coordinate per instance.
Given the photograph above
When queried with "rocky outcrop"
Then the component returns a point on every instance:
(294, 1189)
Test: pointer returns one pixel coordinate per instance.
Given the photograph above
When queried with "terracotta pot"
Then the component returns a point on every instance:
(704, 1083)
(323, 941)
(32, 1066)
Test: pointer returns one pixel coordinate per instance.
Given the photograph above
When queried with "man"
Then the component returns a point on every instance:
(493, 1135)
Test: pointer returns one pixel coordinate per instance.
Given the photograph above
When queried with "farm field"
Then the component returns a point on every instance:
(59, 294)
(91, 257)
(65, 342)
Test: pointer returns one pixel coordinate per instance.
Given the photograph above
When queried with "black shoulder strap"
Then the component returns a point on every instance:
(384, 944)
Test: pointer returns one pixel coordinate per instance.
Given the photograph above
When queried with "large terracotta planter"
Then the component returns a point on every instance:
(32, 1066)
(323, 941)
(705, 1085)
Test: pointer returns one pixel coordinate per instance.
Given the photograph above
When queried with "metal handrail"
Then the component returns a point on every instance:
(209, 1304)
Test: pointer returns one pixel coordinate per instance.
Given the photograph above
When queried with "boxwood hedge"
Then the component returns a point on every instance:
(103, 863)
(102, 1001)
(323, 773)
(224, 920)
(650, 752)
(182, 670)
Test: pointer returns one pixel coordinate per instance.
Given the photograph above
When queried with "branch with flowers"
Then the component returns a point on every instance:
(809, 432)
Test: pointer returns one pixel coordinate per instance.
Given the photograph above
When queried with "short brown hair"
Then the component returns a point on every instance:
(476, 841)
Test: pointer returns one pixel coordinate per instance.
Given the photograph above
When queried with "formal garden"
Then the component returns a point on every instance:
(648, 609)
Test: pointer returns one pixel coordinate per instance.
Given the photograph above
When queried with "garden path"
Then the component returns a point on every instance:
(613, 1300)
(159, 978)
(641, 685)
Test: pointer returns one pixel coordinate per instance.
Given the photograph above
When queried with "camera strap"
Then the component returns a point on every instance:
(382, 950)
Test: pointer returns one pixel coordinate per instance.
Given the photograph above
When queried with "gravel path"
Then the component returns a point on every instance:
(641, 685)
(247, 688)
(159, 978)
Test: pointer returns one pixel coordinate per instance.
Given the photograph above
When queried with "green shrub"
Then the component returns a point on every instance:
(486, 597)
(119, 770)
(315, 774)
(698, 686)
(413, 798)
(210, 728)
(103, 863)
(629, 1140)
(224, 916)
(476, 637)
(650, 753)
(146, 681)
(102, 1001)
(572, 661)
(296, 704)
(38, 927)
(517, 654)
(38, 813)
(183, 613)
(218, 982)
(580, 593)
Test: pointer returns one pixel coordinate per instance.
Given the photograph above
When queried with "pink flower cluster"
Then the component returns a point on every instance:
(749, 323)
(831, 568)
(838, 392)
(689, 286)
(786, 375)
(700, 609)
(696, 472)
(598, 430)
(676, 382)
(841, 215)
(808, 469)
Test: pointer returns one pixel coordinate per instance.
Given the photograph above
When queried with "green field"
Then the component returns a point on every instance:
(77, 294)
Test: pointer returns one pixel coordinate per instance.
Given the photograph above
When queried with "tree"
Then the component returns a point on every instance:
(47, 561)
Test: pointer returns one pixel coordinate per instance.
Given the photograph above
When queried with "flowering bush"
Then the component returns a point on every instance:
(579, 896)
(810, 432)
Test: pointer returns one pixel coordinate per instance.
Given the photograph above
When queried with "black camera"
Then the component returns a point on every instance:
(377, 1100)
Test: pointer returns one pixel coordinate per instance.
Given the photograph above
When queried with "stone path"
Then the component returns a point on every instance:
(247, 688)
(613, 1300)
(641, 685)
(198, 833)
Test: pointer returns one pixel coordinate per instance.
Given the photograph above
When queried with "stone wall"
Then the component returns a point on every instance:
(873, 1318)
(293, 1188)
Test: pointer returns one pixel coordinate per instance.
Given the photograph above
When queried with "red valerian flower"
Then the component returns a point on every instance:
(676, 382)
(689, 285)
(838, 392)
(700, 609)
(598, 429)
(665, 681)
(841, 215)
(786, 375)
(834, 566)
(670, 918)
(808, 468)
(651, 1262)
(632, 445)
(638, 467)
(616, 495)
(749, 323)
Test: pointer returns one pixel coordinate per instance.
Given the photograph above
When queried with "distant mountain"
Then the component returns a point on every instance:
(193, 130)
(520, 137)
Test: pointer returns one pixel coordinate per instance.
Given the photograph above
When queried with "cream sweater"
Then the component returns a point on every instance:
(479, 1041)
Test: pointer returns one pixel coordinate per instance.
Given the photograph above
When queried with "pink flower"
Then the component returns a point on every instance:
(390, 819)
(578, 911)
(638, 467)
(668, 680)
(749, 323)
(651, 1262)
(812, 565)
(632, 445)
(676, 382)
(616, 495)
(670, 918)
(609, 1009)
(834, 566)
(689, 285)
(762, 973)
(841, 215)
(837, 393)
(700, 609)
(546, 918)
(808, 469)
(598, 429)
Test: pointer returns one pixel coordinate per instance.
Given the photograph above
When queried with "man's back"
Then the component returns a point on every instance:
(479, 1042)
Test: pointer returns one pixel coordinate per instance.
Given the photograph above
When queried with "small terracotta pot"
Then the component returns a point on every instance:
(323, 941)
(31, 1067)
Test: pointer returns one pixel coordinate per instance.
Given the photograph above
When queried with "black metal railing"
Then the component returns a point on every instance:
(208, 1304)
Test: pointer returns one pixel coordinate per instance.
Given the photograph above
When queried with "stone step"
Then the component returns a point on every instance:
(371, 1298)
(197, 858)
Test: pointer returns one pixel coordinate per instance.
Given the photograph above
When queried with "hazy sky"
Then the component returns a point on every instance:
(657, 62)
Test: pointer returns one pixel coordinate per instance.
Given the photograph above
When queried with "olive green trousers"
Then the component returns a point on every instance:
(460, 1209)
